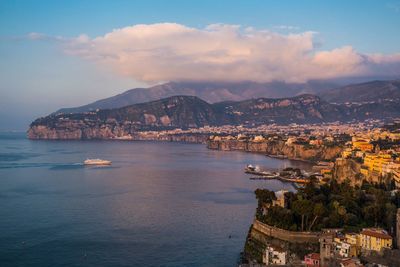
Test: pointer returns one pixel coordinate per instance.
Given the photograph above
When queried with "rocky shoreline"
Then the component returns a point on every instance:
(281, 148)
(79, 131)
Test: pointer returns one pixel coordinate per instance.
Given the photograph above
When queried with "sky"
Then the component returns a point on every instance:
(68, 53)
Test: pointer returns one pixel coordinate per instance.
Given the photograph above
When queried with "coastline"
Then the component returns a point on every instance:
(189, 139)
(295, 152)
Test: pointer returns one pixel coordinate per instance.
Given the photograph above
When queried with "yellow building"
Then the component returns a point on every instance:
(376, 162)
(364, 171)
(362, 145)
(380, 161)
(354, 240)
(369, 160)
(346, 153)
(375, 239)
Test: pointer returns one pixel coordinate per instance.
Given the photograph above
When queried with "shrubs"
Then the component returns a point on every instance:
(332, 205)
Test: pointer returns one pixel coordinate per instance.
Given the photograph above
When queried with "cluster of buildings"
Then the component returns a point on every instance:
(346, 248)
(343, 249)
(313, 134)
(376, 149)
(335, 246)
(257, 134)
(378, 152)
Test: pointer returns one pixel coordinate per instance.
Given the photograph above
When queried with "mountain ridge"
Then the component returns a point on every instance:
(211, 92)
(219, 92)
(192, 112)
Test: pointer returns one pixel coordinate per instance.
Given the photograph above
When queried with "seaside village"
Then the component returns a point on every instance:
(366, 154)
(374, 152)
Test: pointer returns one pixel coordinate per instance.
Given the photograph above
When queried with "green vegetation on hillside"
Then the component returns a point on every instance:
(331, 205)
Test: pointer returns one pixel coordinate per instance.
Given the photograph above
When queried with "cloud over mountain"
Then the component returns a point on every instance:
(219, 52)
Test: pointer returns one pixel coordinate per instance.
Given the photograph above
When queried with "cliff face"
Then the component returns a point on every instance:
(293, 151)
(110, 132)
(171, 113)
(347, 169)
(79, 130)
(350, 169)
(296, 151)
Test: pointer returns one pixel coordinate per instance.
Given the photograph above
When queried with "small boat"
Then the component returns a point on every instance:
(250, 167)
(97, 162)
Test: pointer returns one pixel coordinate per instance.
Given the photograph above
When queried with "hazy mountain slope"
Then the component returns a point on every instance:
(300, 109)
(364, 92)
(210, 92)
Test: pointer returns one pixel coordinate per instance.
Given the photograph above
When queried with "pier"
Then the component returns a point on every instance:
(265, 175)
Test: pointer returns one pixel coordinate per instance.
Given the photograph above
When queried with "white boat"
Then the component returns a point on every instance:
(97, 162)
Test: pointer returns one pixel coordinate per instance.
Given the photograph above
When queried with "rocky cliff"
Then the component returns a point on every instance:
(80, 129)
(292, 151)
(347, 169)
(127, 122)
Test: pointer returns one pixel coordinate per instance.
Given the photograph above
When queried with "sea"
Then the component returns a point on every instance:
(158, 204)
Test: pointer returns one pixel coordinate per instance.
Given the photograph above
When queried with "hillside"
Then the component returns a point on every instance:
(192, 112)
(210, 92)
(218, 92)
(364, 92)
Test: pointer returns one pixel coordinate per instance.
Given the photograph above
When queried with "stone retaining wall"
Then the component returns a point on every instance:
(290, 236)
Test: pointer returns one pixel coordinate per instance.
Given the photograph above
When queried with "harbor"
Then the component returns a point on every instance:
(291, 175)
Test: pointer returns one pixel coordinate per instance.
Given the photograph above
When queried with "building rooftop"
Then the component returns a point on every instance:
(376, 232)
(313, 256)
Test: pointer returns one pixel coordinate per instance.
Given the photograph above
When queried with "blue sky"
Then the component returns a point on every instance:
(37, 77)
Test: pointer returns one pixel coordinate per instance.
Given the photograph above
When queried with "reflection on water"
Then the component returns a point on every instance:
(16, 156)
(166, 204)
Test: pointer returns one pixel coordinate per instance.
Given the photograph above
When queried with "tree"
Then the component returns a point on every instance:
(350, 219)
(265, 196)
(303, 208)
(318, 211)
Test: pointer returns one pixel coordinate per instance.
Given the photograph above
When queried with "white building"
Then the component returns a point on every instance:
(274, 255)
(280, 198)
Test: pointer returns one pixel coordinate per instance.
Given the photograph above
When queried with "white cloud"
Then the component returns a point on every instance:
(286, 27)
(174, 52)
(36, 36)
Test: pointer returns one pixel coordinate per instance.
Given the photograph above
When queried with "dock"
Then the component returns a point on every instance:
(264, 175)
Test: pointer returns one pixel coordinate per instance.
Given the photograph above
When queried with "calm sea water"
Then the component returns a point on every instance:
(159, 204)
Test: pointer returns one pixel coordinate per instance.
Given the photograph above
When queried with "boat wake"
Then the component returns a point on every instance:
(51, 166)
